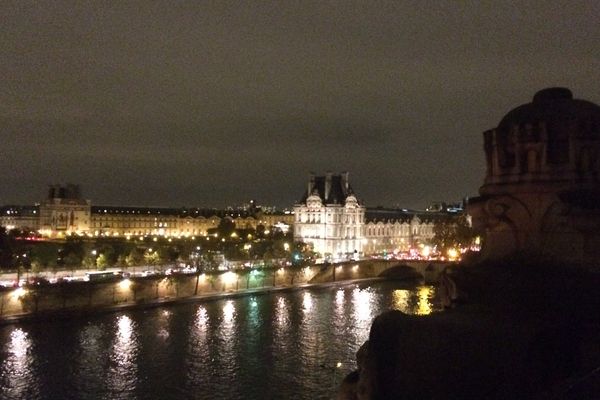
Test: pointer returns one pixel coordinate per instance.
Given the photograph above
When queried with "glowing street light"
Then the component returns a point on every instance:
(18, 293)
(452, 254)
(426, 252)
(125, 284)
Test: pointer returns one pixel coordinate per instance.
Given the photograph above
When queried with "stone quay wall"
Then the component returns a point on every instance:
(83, 297)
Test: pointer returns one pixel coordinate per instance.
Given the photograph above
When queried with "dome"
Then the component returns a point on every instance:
(552, 141)
(554, 106)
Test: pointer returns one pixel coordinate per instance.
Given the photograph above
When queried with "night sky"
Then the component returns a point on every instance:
(213, 103)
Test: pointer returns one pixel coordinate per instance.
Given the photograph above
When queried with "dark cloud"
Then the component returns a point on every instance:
(214, 103)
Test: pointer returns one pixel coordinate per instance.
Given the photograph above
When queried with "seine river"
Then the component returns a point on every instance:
(283, 345)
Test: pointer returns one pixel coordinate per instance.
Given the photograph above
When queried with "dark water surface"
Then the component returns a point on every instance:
(271, 346)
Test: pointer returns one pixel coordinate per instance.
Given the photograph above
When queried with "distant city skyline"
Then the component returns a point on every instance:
(243, 204)
(209, 105)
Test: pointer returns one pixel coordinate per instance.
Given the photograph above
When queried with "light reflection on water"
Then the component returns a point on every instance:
(201, 319)
(419, 301)
(122, 374)
(89, 365)
(339, 298)
(16, 367)
(307, 302)
(280, 345)
(362, 300)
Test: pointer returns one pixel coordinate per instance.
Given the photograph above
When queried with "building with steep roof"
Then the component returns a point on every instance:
(542, 183)
(330, 217)
(64, 211)
(338, 225)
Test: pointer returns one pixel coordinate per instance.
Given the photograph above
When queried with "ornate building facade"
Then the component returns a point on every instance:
(542, 184)
(20, 217)
(65, 212)
(330, 217)
(391, 230)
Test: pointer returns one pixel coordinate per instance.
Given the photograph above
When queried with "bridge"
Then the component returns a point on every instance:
(399, 269)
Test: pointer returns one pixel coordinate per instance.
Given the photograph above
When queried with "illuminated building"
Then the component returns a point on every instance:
(389, 230)
(281, 220)
(129, 221)
(20, 217)
(64, 211)
(330, 217)
(337, 225)
(542, 185)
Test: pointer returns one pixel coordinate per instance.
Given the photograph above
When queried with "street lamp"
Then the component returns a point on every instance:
(337, 366)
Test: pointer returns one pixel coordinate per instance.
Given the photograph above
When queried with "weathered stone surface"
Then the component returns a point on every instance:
(401, 272)
(522, 330)
(542, 184)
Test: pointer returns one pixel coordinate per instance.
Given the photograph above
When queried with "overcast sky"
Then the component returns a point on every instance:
(213, 103)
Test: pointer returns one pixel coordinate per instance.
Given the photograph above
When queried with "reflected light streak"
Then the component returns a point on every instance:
(417, 301)
(339, 317)
(281, 323)
(339, 298)
(163, 332)
(400, 299)
(18, 344)
(201, 317)
(124, 332)
(228, 312)
(424, 306)
(122, 376)
(362, 304)
(282, 313)
(307, 302)
(253, 313)
(227, 331)
(15, 369)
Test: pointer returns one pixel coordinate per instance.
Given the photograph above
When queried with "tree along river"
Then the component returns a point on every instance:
(283, 345)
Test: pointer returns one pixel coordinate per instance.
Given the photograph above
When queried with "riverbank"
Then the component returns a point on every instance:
(77, 313)
(71, 299)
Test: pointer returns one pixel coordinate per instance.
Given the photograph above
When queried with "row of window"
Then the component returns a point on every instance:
(317, 217)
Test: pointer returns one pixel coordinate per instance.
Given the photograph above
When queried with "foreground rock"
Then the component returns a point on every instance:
(516, 329)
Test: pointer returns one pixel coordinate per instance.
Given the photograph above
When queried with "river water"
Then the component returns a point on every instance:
(284, 345)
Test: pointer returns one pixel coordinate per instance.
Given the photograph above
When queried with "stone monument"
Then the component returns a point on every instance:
(541, 194)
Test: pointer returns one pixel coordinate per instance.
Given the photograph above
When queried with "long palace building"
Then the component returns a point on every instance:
(329, 217)
(65, 212)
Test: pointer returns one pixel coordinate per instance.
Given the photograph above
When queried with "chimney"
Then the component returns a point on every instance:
(72, 191)
(311, 183)
(328, 176)
(345, 184)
